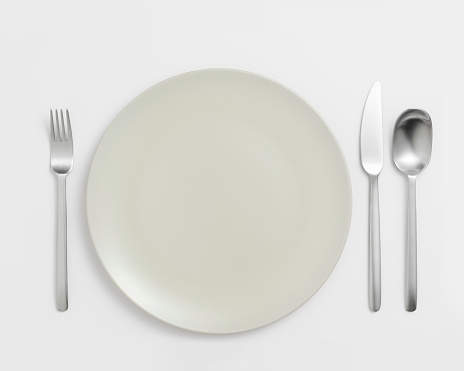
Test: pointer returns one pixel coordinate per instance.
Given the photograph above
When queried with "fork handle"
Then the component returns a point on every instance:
(61, 258)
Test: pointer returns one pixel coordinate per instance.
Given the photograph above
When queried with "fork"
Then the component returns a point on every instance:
(61, 162)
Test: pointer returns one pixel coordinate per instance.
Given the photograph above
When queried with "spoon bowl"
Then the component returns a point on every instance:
(412, 141)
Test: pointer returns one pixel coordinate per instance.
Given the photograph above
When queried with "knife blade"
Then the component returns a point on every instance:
(372, 161)
(371, 132)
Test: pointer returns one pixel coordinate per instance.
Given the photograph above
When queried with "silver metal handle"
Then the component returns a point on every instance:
(411, 255)
(61, 259)
(374, 245)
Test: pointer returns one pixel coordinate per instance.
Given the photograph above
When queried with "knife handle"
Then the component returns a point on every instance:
(374, 244)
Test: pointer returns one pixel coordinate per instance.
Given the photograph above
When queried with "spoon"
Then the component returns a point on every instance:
(412, 148)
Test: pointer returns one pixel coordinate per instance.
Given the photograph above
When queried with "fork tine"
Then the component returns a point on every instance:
(69, 126)
(58, 126)
(63, 125)
(52, 127)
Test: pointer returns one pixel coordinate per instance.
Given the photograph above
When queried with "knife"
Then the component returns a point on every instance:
(372, 162)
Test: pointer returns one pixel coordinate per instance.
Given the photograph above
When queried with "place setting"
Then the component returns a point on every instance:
(220, 201)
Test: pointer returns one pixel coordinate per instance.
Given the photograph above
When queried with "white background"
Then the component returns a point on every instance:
(93, 57)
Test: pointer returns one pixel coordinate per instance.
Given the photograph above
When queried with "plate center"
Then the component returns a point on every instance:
(223, 187)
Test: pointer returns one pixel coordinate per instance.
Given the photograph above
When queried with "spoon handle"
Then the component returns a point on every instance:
(411, 255)
(374, 244)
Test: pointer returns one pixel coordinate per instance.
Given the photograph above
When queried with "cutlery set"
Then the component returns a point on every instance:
(412, 148)
(184, 221)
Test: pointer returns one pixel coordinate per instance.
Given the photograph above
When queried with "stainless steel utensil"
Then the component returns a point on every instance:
(412, 148)
(372, 162)
(61, 162)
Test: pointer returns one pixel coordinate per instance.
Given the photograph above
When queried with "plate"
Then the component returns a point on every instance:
(219, 201)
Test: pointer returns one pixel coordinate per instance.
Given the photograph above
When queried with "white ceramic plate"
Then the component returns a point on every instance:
(219, 201)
